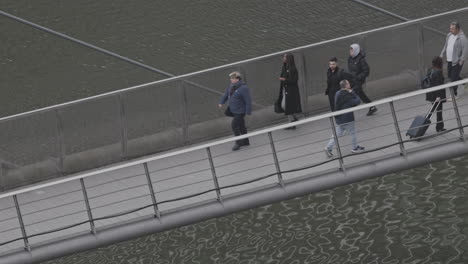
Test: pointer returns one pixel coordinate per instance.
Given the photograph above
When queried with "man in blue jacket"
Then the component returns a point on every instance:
(345, 98)
(238, 96)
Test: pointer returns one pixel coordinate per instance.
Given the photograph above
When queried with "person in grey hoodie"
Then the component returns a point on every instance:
(359, 69)
(237, 94)
(455, 50)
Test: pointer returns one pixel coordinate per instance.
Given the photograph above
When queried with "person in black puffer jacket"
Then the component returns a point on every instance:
(359, 69)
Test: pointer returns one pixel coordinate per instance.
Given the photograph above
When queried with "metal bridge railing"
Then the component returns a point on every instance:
(173, 181)
(142, 120)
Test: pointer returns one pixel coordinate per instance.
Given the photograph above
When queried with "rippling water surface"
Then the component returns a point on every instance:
(416, 216)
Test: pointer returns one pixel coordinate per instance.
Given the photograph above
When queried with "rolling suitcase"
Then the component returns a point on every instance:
(421, 123)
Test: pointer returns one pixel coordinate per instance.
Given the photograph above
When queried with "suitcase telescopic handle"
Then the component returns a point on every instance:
(434, 106)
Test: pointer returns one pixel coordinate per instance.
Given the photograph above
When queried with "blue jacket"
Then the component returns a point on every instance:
(240, 101)
(344, 100)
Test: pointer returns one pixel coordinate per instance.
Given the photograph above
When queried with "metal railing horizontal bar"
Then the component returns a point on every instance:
(116, 191)
(55, 218)
(114, 180)
(11, 229)
(53, 207)
(179, 77)
(121, 201)
(231, 139)
(181, 175)
(8, 219)
(181, 186)
(225, 187)
(46, 198)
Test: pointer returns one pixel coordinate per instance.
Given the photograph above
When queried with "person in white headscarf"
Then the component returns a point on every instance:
(359, 69)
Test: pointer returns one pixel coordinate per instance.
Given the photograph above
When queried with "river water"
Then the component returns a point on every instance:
(415, 216)
(180, 36)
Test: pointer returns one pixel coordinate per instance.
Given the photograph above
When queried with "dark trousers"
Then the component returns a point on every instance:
(440, 121)
(453, 72)
(238, 127)
(360, 92)
(331, 99)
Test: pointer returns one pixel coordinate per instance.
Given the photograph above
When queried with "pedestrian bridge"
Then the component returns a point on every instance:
(104, 187)
(180, 187)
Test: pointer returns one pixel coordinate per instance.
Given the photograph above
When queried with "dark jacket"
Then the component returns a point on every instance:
(333, 83)
(344, 100)
(358, 68)
(437, 78)
(291, 88)
(240, 101)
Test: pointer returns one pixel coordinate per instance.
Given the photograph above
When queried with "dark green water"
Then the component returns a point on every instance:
(416, 216)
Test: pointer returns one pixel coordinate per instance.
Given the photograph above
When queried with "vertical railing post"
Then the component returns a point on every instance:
(157, 214)
(88, 207)
(457, 114)
(420, 44)
(303, 82)
(20, 219)
(60, 142)
(123, 127)
(397, 129)
(275, 158)
(185, 111)
(213, 173)
(337, 142)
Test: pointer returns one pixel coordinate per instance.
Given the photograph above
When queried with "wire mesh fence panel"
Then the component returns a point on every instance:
(92, 134)
(154, 118)
(435, 33)
(315, 63)
(51, 208)
(203, 92)
(29, 150)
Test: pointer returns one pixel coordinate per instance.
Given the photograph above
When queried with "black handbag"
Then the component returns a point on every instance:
(278, 108)
(228, 112)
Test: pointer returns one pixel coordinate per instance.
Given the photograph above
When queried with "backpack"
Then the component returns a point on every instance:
(426, 81)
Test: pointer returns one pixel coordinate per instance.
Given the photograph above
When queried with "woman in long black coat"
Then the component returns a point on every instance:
(436, 77)
(289, 97)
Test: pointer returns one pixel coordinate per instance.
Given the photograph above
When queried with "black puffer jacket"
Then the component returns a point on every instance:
(358, 68)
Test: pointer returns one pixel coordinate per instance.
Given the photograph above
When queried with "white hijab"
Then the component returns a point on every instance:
(356, 49)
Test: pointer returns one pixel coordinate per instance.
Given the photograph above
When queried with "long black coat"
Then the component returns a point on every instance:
(437, 78)
(359, 69)
(293, 97)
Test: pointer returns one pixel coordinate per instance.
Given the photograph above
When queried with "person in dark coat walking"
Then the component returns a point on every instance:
(436, 77)
(359, 69)
(289, 97)
(334, 75)
(237, 94)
